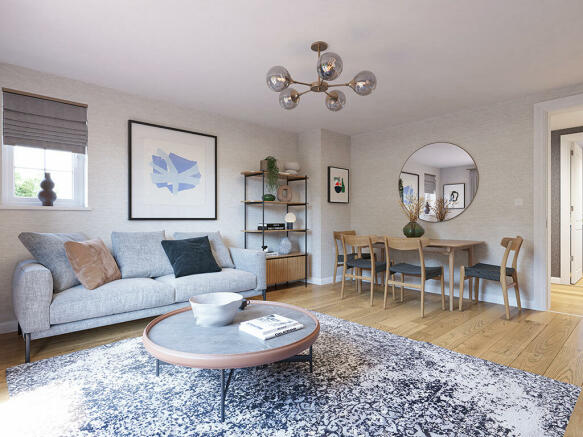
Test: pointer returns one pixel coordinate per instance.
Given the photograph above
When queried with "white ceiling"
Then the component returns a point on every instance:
(441, 155)
(430, 57)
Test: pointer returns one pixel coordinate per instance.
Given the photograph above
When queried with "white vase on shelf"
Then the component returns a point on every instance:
(285, 246)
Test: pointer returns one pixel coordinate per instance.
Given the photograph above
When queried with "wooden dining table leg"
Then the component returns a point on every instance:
(451, 278)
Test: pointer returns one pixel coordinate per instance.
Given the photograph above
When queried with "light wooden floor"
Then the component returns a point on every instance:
(546, 343)
(567, 298)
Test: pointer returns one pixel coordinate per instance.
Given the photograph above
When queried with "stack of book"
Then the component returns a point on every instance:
(270, 326)
(270, 226)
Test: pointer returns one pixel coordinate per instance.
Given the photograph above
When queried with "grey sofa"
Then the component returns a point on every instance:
(42, 313)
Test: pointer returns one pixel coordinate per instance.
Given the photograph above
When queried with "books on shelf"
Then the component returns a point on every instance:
(270, 226)
(268, 254)
(270, 326)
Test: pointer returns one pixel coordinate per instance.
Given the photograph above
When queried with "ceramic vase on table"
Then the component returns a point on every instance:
(47, 196)
(413, 230)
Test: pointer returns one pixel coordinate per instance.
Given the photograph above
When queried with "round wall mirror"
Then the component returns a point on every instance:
(444, 176)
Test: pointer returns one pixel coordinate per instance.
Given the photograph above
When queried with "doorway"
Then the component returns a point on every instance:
(567, 220)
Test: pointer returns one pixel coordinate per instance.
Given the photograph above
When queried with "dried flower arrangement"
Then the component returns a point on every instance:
(412, 207)
(440, 208)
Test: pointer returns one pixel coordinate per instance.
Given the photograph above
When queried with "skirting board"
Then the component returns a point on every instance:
(555, 280)
(9, 326)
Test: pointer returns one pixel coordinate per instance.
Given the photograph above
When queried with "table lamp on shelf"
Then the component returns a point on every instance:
(290, 219)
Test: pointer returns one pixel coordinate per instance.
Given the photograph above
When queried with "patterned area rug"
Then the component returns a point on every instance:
(366, 382)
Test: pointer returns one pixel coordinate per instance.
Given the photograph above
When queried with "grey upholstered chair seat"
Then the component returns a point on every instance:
(352, 256)
(363, 263)
(226, 280)
(487, 271)
(410, 269)
(121, 296)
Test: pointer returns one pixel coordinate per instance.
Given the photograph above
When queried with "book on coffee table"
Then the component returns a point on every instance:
(270, 326)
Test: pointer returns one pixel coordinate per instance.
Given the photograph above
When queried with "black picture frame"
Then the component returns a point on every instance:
(464, 192)
(135, 122)
(330, 167)
(410, 174)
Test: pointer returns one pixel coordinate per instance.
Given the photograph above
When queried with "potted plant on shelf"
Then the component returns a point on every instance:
(440, 208)
(269, 166)
(412, 206)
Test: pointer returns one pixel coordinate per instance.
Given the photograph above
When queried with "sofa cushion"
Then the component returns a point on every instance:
(140, 254)
(220, 251)
(49, 250)
(192, 256)
(92, 262)
(121, 296)
(225, 280)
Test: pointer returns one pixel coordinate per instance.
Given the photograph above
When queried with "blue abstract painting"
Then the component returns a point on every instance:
(174, 172)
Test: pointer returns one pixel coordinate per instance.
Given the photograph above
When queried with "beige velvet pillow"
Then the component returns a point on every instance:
(92, 263)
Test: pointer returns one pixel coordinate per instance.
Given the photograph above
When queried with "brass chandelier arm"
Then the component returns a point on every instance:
(304, 92)
(300, 83)
(330, 85)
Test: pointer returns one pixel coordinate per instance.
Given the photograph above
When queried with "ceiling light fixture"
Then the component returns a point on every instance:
(328, 67)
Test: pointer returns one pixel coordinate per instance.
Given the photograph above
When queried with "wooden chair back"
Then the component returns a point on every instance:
(338, 239)
(357, 242)
(512, 244)
(407, 244)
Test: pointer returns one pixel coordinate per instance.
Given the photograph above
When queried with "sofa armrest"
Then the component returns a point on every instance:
(32, 294)
(252, 261)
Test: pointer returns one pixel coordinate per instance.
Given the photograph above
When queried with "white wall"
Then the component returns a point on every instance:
(318, 149)
(240, 147)
(500, 139)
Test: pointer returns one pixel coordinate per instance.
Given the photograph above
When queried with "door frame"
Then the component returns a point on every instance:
(542, 195)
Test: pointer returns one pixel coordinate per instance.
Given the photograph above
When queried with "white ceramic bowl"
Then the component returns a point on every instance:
(215, 309)
(292, 165)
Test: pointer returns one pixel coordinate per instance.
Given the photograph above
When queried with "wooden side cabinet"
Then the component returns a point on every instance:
(286, 268)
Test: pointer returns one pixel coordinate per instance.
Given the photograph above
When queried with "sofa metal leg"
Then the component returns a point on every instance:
(19, 330)
(27, 348)
(264, 294)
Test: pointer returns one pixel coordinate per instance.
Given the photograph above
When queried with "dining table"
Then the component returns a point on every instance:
(449, 248)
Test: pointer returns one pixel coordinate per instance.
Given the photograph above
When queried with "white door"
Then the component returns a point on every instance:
(576, 213)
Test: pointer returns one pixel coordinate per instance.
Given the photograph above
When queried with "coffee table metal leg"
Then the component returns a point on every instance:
(157, 367)
(224, 388)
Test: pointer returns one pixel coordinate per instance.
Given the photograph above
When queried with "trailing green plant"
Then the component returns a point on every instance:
(272, 174)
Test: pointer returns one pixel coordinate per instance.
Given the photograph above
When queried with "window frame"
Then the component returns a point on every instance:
(79, 199)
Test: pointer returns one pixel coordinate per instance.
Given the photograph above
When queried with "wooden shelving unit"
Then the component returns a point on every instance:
(280, 268)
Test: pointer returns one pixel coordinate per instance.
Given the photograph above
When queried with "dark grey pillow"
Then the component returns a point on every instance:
(220, 251)
(140, 254)
(191, 256)
(49, 250)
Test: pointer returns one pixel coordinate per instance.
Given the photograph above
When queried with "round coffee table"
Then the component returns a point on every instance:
(175, 338)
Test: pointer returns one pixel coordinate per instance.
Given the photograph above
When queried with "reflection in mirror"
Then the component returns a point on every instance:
(442, 174)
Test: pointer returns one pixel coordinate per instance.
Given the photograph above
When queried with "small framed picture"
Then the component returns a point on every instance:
(455, 194)
(338, 185)
(408, 186)
(172, 173)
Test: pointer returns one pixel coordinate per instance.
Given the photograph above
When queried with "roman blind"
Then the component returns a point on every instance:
(429, 183)
(37, 121)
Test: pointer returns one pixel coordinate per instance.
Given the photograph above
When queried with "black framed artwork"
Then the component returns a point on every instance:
(172, 173)
(455, 194)
(338, 185)
(408, 186)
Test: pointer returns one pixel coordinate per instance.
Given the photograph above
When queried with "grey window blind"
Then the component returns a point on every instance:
(43, 123)
(429, 183)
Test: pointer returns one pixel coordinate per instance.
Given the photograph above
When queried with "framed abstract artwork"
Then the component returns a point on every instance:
(455, 194)
(172, 173)
(338, 185)
(408, 186)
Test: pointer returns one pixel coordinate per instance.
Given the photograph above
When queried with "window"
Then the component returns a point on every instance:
(24, 168)
(43, 135)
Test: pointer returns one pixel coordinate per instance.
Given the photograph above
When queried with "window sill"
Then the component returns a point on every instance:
(46, 208)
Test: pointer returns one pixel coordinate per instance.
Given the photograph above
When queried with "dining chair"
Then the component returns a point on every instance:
(359, 262)
(405, 269)
(493, 272)
(339, 257)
